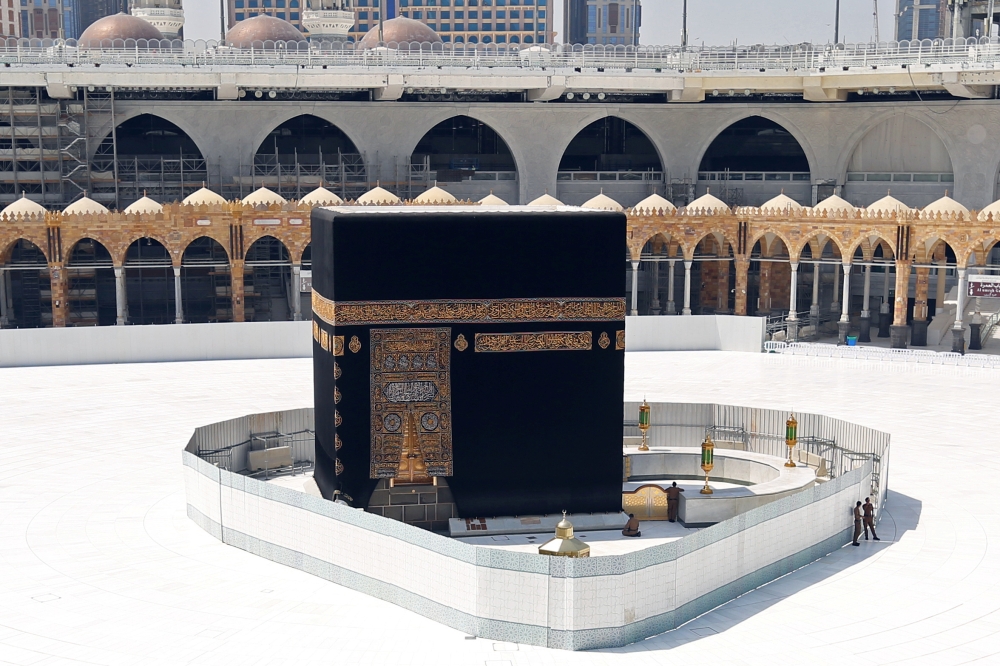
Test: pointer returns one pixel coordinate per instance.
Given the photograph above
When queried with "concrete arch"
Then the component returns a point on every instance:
(590, 119)
(853, 141)
(262, 134)
(180, 121)
(829, 238)
(760, 236)
(716, 232)
(430, 122)
(867, 235)
(776, 117)
(221, 241)
(5, 254)
(120, 250)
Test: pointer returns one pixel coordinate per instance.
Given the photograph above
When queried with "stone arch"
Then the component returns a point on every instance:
(267, 275)
(149, 282)
(90, 275)
(257, 141)
(761, 236)
(816, 237)
(854, 141)
(119, 250)
(720, 237)
(775, 118)
(28, 285)
(864, 241)
(624, 129)
(5, 252)
(923, 249)
(206, 281)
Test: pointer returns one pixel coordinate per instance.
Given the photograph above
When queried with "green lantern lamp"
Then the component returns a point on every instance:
(791, 437)
(644, 423)
(707, 462)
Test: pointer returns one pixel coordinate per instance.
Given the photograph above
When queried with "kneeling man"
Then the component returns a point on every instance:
(632, 527)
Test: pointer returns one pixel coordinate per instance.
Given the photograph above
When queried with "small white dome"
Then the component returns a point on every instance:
(144, 206)
(653, 203)
(888, 204)
(492, 200)
(993, 208)
(378, 196)
(781, 202)
(435, 195)
(945, 205)
(321, 197)
(834, 204)
(710, 202)
(203, 197)
(23, 207)
(263, 197)
(84, 206)
(603, 202)
(546, 200)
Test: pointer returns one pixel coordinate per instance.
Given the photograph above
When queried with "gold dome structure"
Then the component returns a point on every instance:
(117, 27)
(564, 544)
(400, 30)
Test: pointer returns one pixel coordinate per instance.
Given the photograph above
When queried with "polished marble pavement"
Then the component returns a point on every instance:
(100, 565)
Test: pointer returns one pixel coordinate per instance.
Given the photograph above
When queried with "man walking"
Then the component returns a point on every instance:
(869, 510)
(673, 499)
(857, 524)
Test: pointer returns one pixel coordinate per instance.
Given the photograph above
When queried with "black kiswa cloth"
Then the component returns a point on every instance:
(531, 432)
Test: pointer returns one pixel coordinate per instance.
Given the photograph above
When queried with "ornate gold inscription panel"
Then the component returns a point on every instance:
(411, 400)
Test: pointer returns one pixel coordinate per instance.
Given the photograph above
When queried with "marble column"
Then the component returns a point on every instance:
(899, 332)
(236, 284)
(58, 285)
(942, 281)
(742, 278)
(866, 315)
(654, 306)
(120, 295)
(835, 301)
(918, 336)
(722, 288)
(297, 292)
(687, 287)
(635, 288)
(178, 303)
(976, 326)
(844, 325)
(884, 310)
(671, 306)
(814, 308)
(764, 290)
(3, 299)
(958, 330)
(793, 293)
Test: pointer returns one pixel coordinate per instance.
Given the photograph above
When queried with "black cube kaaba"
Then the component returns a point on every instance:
(482, 349)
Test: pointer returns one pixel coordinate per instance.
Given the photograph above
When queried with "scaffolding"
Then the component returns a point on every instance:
(294, 176)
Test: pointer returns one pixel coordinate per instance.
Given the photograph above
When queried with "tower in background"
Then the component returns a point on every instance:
(92, 10)
(921, 19)
(167, 16)
(286, 10)
(574, 22)
(327, 20)
(10, 21)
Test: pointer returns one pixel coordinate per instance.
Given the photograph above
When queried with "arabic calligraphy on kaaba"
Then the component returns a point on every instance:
(536, 341)
(505, 310)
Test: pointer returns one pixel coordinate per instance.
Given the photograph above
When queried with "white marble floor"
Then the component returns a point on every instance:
(99, 565)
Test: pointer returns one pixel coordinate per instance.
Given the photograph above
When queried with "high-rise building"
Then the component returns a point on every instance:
(167, 16)
(51, 19)
(10, 22)
(613, 21)
(92, 10)
(286, 10)
(574, 22)
(478, 21)
(921, 19)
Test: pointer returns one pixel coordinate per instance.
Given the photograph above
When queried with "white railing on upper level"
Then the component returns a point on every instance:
(926, 356)
(972, 51)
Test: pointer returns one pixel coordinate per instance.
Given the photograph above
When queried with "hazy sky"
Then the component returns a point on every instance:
(714, 22)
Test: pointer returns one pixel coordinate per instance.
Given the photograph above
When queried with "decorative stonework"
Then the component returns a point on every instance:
(526, 342)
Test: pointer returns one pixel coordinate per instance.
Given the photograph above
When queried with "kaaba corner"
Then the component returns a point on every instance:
(468, 360)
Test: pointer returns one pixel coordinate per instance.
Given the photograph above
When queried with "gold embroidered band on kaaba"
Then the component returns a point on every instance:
(467, 311)
(543, 341)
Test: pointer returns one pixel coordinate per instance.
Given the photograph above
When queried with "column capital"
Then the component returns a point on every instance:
(688, 263)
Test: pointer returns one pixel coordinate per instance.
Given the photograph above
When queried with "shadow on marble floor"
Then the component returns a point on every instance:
(901, 515)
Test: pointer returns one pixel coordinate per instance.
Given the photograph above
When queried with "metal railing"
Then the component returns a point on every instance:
(971, 51)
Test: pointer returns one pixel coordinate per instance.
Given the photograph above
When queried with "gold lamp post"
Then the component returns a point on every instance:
(791, 437)
(707, 462)
(644, 423)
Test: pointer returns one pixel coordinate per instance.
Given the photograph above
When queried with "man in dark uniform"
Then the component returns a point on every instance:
(632, 527)
(673, 500)
(869, 519)
(857, 524)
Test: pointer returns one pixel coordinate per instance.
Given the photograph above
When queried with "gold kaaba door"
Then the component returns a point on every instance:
(411, 404)
(646, 502)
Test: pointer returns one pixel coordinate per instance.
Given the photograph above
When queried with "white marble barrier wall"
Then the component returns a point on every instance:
(695, 333)
(521, 597)
(154, 344)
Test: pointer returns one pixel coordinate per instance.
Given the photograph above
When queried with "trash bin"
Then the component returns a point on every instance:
(852, 340)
